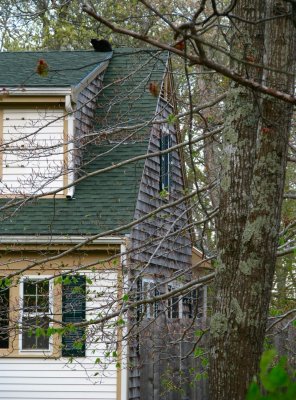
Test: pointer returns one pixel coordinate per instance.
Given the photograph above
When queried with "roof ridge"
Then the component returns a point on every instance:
(135, 49)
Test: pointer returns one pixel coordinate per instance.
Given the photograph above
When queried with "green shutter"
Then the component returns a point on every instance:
(73, 306)
(4, 317)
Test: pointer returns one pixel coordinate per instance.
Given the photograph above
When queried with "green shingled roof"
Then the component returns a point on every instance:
(100, 203)
(127, 99)
(107, 200)
(66, 68)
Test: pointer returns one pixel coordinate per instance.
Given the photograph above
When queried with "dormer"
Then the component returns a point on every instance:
(43, 115)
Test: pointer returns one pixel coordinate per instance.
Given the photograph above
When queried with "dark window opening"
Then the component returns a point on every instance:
(165, 163)
(4, 317)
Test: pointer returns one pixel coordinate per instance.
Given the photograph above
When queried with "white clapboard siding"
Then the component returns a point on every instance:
(33, 151)
(81, 379)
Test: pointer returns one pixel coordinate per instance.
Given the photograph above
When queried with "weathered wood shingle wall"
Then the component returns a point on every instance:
(164, 254)
(160, 248)
(84, 115)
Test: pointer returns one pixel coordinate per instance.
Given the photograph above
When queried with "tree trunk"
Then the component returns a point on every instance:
(252, 182)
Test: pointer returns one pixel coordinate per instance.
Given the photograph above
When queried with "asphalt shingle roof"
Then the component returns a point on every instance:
(66, 68)
(126, 98)
(107, 200)
(100, 203)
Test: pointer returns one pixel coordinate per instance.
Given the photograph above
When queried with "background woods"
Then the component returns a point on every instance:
(223, 137)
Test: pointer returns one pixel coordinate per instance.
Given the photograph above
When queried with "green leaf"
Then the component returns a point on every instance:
(88, 280)
(198, 351)
(266, 360)
(171, 119)
(277, 378)
(253, 392)
(198, 332)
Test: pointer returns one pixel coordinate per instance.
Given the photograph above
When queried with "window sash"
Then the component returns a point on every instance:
(34, 316)
(147, 290)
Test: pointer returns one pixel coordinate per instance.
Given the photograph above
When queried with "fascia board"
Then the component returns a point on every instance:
(37, 91)
(48, 239)
(88, 79)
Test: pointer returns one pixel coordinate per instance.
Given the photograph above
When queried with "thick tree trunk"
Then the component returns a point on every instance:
(252, 182)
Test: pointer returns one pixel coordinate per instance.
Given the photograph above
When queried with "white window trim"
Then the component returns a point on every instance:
(174, 286)
(144, 297)
(21, 302)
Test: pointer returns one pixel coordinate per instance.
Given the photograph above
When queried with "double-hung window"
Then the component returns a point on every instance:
(174, 306)
(190, 305)
(147, 291)
(36, 298)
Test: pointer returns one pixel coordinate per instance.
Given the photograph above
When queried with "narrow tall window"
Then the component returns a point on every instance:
(36, 294)
(4, 317)
(174, 305)
(148, 290)
(165, 161)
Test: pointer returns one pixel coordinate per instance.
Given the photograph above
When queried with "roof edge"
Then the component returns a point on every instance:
(38, 91)
(89, 78)
(60, 239)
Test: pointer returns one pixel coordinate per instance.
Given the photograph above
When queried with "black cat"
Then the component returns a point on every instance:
(101, 45)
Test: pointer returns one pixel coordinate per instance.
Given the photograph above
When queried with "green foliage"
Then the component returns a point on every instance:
(164, 194)
(276, 381)
(172, 119)
(125, 297)
(5, 283)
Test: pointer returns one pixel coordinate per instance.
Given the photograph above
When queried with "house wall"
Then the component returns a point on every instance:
(95, 376)
(84, 115)
(157, 252)
(34, 139)
(173, 252)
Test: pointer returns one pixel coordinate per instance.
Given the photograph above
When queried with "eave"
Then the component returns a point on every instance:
(59, 239)
(9, 92)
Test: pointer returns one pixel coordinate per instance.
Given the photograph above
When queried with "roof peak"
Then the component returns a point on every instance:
(123, 48)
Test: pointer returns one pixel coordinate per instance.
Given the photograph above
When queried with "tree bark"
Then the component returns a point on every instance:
(252, 183)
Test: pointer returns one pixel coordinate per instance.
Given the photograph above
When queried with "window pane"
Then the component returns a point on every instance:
(30, 341)
(43, 288)
(30, 304)
(42, 304)
(188, 304)
(173, 305)
(29, 287)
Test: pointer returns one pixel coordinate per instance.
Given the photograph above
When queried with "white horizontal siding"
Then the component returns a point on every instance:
(82, 379)
(32, 151)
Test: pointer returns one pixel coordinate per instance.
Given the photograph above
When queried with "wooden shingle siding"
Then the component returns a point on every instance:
(84, 114)
(174, 252)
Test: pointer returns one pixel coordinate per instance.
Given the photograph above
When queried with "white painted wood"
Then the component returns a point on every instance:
(33, 151)
(82, 379)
